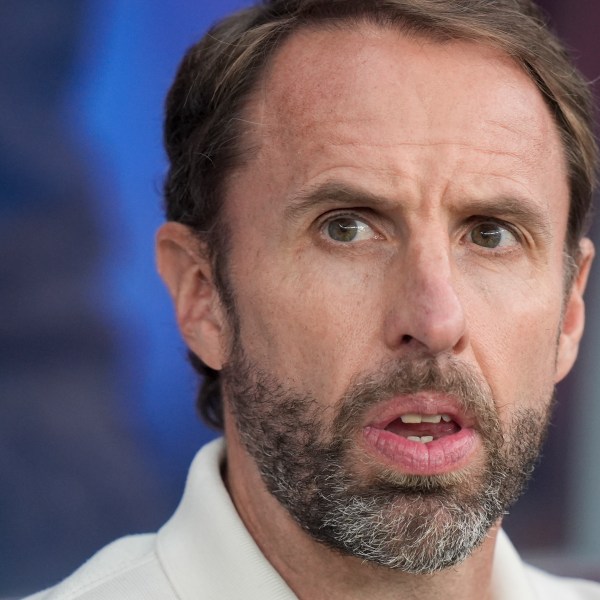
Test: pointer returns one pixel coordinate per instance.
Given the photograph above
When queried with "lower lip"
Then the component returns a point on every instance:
(443, 455)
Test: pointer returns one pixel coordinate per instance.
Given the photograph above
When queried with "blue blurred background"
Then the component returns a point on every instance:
(97, 419)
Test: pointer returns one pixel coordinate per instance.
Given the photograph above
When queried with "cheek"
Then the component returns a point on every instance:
(311, 324)
(514, 337)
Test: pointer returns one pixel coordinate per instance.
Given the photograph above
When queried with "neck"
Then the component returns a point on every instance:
(315, 572)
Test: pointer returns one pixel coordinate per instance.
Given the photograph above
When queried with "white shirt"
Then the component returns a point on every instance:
(204, 552)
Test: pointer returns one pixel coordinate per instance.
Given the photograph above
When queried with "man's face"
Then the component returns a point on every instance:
(398, 272)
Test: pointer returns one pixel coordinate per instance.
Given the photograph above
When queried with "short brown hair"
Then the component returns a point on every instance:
(204, 126)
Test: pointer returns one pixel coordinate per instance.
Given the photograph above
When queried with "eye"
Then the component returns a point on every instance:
(492, 235)
(347, 229)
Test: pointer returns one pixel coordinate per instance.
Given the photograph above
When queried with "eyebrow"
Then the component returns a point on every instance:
(520, 209)
(337, 193)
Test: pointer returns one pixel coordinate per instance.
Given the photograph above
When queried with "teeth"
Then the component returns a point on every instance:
(411, 418)
(415, 418)
(425, 439)
(431, 418)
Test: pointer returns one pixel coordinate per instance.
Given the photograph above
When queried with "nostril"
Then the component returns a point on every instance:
(406, 339)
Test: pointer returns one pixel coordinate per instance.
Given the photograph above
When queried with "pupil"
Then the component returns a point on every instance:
(343, 230)
(487, 235)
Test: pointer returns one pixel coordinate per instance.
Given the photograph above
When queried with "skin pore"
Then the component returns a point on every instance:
(408, 202)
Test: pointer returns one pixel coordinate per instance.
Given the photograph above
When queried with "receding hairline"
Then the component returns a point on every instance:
(255, 104)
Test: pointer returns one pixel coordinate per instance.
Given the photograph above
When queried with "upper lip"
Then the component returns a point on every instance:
(423, 403)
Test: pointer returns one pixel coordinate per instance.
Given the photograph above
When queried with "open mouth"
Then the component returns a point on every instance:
(420, 440)
(423, 428)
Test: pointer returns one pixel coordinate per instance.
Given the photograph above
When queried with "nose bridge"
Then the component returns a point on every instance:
(431, 311)
(428, 264)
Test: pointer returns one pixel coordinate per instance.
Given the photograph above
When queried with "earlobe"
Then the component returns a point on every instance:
(574, 313)
(187, 273)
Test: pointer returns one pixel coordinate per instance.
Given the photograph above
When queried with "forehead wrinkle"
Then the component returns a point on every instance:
(283, 125)
(535, 131)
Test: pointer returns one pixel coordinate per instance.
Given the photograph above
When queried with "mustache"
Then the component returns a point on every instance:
(411, 376)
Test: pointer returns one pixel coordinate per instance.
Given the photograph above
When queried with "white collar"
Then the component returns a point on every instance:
(205, 547)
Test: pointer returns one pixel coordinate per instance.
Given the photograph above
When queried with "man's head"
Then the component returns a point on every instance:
(207, 134)
(378, 200)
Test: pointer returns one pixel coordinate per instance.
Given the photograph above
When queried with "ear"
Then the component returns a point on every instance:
(574, 313)
(187, 273)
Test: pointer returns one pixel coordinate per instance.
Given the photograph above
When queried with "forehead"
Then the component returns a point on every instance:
(356, 72)
(378, 100)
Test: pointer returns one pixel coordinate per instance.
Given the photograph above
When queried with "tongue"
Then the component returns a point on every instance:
(436, 430)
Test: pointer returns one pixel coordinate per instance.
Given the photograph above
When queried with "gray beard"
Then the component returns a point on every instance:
(416, 524)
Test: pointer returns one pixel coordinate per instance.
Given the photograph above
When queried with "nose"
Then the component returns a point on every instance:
(426, 315)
